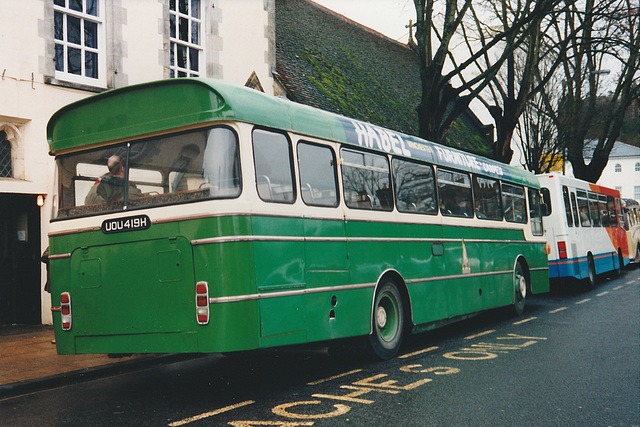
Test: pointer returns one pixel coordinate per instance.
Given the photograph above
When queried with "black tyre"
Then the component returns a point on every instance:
(520, 286)
(387, 322)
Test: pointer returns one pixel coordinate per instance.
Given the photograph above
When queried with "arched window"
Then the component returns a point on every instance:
(638, 167)
(5, 156)
(618, 167)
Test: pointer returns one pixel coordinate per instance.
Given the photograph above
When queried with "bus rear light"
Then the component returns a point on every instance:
(562, 250)
(202, 303)
(65, 310)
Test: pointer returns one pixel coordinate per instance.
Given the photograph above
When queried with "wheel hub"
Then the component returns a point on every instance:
(522, 285)
(381, 317)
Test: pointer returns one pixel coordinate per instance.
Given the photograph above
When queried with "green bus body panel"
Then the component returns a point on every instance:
(156, 107)
(135, 291)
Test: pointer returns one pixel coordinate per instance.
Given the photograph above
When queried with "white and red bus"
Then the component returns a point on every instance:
(584, 228)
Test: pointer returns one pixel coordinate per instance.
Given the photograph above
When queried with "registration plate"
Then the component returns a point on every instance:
(129, 223)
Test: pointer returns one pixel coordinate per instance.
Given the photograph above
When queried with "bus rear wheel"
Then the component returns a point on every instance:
(387, 322)
(520, 285)
(591, 278)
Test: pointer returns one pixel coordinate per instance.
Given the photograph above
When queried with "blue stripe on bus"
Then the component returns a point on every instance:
(579, 267)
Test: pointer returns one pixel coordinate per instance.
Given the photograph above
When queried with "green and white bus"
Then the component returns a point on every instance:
(195, 216)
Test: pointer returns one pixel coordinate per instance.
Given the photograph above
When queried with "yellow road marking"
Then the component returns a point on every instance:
(583, 301)
(355, 371)
(415, 353)
(618, 287)
(470, 337)
(602, 293)
(557, 310)
(524, 321)
(211, 413)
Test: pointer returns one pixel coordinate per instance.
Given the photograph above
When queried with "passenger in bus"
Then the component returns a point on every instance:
(110, 186)
(584, 217)
(454, 203)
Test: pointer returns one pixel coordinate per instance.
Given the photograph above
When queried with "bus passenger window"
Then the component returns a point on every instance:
(272, 157)
(622, 216)
(454, 191)
(513, 203)
(593, 210)
(415, 187)
(366, 180)
(317, 175)
(611, 208)
(486, 196)
(604, 213)
(535, 212)
(583, 208)
(574, 206)
(567, 205)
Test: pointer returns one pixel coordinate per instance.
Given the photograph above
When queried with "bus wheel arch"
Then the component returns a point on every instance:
(521, 284)
(390, 315)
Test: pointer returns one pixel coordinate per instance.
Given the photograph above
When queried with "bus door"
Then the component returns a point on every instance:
(326, 267)
(326, 264)
(279, 244)
(125, 285)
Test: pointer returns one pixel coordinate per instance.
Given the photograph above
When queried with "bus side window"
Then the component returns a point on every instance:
(546, 199)
(574, 206)
(535, 212)
(583, 208)
(415, 187)
(274, 176)
(611, 208)
(621, 214)
(486, 197)
(454, 193)
(317, 175)
(567, 205)
(366, 179)
(604, 213)
(513, 203)
(593, 210)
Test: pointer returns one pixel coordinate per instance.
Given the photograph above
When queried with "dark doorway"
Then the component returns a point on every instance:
(19, 259)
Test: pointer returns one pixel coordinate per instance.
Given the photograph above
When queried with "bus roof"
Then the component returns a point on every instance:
(157, 107)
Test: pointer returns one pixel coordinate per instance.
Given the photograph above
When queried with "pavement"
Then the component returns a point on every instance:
(29, 361)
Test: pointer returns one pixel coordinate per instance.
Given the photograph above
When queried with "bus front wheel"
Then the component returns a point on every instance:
(387, 322)
(520, 285)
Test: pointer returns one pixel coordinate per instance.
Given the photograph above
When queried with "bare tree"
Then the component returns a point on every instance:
(437, 33)
(537, 135)
(607, 33)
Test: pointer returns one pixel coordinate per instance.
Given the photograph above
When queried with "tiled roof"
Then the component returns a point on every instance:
(328, 61)
(620, 150)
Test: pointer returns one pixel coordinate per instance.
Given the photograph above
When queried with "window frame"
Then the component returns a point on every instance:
(293, 192)
(534, 195)
(505, 194)
(175, 19)
(334, 168)
(474, 180)
(397, 189)
(444, 211)
(100, 51)
(566, 198)
(6, 152)
(367, 201)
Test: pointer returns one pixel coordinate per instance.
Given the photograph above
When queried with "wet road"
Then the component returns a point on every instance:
(573, 358)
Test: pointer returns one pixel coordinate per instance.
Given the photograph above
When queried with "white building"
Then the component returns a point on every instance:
(54, 52)
(623, 170)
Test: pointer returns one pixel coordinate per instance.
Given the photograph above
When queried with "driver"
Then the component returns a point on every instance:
(110, 186)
